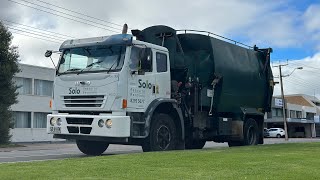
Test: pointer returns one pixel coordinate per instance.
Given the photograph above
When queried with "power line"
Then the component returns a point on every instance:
(37, 32)
(39, 38)
(62, 35)
(34, 34)
(68, 14)
(308, 71)
(79, 13)
(61, 16)
(312, 72)
(302, 83)
(299, 88)
(304, 65)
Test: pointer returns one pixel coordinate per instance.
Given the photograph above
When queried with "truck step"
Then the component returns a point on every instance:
(138, 122)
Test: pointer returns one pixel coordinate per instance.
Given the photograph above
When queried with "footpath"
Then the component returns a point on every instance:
(31, 146)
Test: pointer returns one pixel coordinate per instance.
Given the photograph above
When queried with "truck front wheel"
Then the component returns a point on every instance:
(163, 134)
(93, 148)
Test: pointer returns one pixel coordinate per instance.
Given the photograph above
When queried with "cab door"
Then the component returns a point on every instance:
(140, 82)
(162, 74)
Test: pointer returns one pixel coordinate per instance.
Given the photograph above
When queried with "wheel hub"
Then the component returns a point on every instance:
(163, 137)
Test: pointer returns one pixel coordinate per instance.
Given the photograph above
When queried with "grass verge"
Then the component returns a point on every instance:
(279, 161)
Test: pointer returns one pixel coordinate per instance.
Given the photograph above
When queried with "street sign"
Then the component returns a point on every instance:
(278, 102)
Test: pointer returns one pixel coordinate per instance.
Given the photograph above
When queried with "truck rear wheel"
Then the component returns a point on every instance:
(250, 134)
(93, 148)
(163, 134)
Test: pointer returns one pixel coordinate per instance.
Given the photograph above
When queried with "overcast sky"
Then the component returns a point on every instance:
(291, 28)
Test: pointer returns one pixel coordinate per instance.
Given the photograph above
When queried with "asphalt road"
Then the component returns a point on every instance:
(52, 151)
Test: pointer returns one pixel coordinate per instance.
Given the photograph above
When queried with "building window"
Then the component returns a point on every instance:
(277, 112)
(40, 120)
(299, 114)
(161, 62)
(22, 119)
(42, 87)
(269, 115)
(310, 116)
(293, 114)
(274, 112)
(24, 85)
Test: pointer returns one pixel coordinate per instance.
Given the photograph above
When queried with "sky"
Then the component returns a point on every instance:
(290, 27)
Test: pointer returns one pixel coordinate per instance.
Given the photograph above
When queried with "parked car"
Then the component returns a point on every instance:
(276, 132)
(265, 132)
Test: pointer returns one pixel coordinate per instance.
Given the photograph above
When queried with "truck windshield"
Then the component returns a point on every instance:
(94, 58)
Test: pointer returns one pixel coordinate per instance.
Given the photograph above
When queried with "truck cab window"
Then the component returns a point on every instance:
(92, 59)
(134, 58)
(161, 62)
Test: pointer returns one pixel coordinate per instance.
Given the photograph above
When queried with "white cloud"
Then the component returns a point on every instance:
(304, 81)
(311, 18)
(312, 23)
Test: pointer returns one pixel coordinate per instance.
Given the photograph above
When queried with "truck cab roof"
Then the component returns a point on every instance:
(118, 39)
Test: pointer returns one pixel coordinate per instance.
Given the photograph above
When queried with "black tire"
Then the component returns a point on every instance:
(162, 136)
(93, 148)
(250, 134)
(278, 136)
(195, 144)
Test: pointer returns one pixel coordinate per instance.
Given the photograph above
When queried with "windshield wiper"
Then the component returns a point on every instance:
(89, 65)
(69, 70)
(111, 67)
(117, 61)
(74, 69)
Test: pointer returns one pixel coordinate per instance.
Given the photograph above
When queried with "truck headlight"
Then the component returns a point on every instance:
(59, 121)
(53, 121)
(100, 123)
(108, 123)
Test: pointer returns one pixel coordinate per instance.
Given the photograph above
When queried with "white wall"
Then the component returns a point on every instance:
(31, 135)
(32, 103)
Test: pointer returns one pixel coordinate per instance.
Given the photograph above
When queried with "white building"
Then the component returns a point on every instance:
(35, 90)
(301, 114)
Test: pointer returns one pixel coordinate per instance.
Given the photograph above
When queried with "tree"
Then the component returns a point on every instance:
(8, 95)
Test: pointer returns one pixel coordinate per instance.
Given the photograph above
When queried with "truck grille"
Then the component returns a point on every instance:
(84, 101)
(84, 121)
(75, 130)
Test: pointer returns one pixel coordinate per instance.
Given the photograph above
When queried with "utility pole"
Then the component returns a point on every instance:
(283, 104)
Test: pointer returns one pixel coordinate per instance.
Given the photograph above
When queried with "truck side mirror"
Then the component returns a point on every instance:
(48, 53)
(146, 59)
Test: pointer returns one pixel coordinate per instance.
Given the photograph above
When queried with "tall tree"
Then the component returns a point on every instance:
(8, 95)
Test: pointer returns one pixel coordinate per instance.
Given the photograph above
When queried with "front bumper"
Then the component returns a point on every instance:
(87, 125)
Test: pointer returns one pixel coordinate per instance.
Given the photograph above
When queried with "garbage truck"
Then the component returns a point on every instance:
(160, 88)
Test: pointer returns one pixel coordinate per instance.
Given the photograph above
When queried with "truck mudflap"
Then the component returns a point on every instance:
(89, 125)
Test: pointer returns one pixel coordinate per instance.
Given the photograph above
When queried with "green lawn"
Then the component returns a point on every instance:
(281, 161)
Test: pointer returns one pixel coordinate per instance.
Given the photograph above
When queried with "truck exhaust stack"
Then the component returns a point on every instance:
(125, 29)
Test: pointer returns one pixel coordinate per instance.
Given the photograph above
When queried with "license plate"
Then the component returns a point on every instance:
(55, 130)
